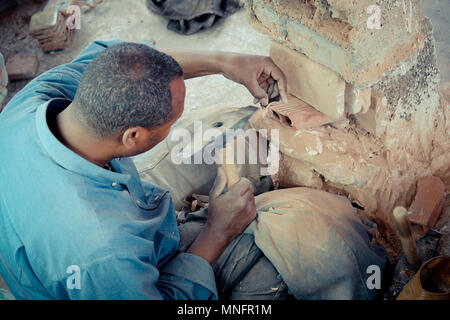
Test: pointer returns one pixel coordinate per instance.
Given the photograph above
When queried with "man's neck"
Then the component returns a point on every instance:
(75, 137)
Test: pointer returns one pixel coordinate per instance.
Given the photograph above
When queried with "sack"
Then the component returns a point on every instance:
(190, 16)
(318, 244)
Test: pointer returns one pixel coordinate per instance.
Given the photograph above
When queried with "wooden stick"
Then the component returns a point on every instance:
(406, 238)
(230, 168)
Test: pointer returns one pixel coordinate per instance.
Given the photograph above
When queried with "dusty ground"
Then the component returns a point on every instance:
(131, 21)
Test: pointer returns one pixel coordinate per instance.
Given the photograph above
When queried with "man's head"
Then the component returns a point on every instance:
(132, 94)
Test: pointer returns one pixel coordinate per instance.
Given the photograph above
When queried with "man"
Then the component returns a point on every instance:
(76, 222)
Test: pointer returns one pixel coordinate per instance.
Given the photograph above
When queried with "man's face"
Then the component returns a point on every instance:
(148, 138)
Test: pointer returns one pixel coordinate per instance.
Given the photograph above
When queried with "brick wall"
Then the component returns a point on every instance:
(384, 80)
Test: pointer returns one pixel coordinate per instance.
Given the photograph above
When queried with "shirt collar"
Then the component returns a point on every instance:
(66, 157)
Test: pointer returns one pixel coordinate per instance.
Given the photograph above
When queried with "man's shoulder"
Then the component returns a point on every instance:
(19, 123)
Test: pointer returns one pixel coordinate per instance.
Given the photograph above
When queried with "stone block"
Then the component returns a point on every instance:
(22, 66)
(296, 173)
(310, 81)
(48, 17)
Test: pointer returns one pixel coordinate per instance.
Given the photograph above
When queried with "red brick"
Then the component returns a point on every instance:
(22, 66)
(298, 114)
(428, 204)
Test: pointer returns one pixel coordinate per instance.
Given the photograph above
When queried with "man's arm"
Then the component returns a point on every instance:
(259, 74)
(228, 215)
(196, 63)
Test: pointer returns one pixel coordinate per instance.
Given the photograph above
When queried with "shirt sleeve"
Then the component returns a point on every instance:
(59, 82)
(184, 277)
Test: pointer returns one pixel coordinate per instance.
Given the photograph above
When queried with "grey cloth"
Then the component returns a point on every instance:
(242, 271)
(317, 242)
(190, 16)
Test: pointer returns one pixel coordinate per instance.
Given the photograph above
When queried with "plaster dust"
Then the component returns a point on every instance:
(295, 173)
(309, 81)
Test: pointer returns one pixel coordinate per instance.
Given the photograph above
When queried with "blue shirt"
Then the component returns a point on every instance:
(72, 230)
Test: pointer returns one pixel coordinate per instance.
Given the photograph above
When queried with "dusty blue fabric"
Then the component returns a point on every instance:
(59, 210)
(242, 271)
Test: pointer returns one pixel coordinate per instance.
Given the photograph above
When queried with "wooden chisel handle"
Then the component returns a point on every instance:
(230, 170)
(231, 173)
(404, 231)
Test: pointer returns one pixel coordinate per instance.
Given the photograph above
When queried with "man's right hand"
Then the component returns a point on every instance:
(228, 215)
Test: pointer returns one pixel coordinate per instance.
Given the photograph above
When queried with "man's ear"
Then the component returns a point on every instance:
(131, 137)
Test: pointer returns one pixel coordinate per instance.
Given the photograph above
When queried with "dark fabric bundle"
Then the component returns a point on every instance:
(190, 16)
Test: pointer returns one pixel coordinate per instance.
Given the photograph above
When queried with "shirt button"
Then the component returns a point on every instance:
(114, 184)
